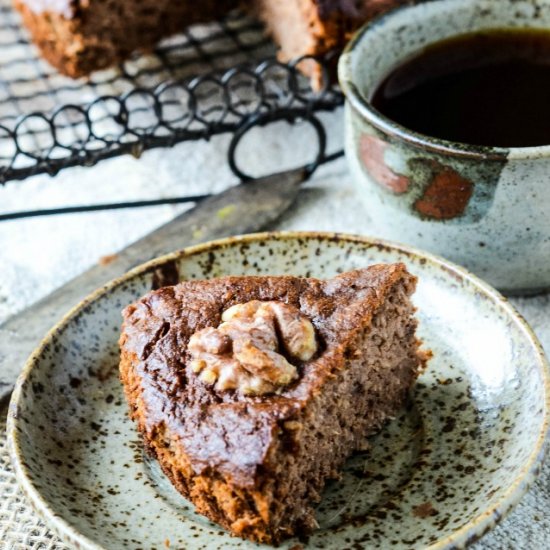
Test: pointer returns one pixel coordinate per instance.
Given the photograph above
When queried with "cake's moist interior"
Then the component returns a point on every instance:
(382, 365)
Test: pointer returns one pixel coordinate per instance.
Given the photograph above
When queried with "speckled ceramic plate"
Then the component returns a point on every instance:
(438, 476)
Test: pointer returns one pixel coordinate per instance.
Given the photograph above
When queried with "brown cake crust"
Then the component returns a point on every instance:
(81, 36)
(231, 454)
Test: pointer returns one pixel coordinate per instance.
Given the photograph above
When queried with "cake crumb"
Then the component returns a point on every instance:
(108, 259)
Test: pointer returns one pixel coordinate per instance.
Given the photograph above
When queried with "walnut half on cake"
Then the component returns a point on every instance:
(252, 391)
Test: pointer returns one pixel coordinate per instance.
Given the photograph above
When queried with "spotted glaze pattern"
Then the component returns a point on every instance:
(484, 208)
(439, 476)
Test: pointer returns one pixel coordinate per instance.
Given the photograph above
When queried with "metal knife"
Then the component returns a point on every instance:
(244, 208)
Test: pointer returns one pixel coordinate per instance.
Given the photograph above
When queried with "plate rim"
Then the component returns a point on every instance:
(465, 535)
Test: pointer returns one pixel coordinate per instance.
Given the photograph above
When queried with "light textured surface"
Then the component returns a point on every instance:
(37, 255)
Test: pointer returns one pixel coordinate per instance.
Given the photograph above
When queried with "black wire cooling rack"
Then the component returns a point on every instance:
(209, 79)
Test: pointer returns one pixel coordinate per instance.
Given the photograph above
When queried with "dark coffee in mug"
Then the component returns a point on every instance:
(485, 88)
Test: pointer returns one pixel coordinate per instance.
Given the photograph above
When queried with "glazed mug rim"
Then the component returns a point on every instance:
(397, 131)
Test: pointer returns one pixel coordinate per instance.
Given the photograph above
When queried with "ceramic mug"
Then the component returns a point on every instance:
(487, 208)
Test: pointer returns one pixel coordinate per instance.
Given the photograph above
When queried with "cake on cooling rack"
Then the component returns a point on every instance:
(251, 392)
(81, 36)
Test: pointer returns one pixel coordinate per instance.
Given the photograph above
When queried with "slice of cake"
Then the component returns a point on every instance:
(81, 36)
(316, 27)
(252, 391)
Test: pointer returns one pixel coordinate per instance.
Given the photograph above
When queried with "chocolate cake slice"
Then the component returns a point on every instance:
(252, 391)
(316, 27)
(81, 36)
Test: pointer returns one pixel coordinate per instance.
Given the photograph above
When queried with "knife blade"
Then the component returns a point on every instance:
(244, 208)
